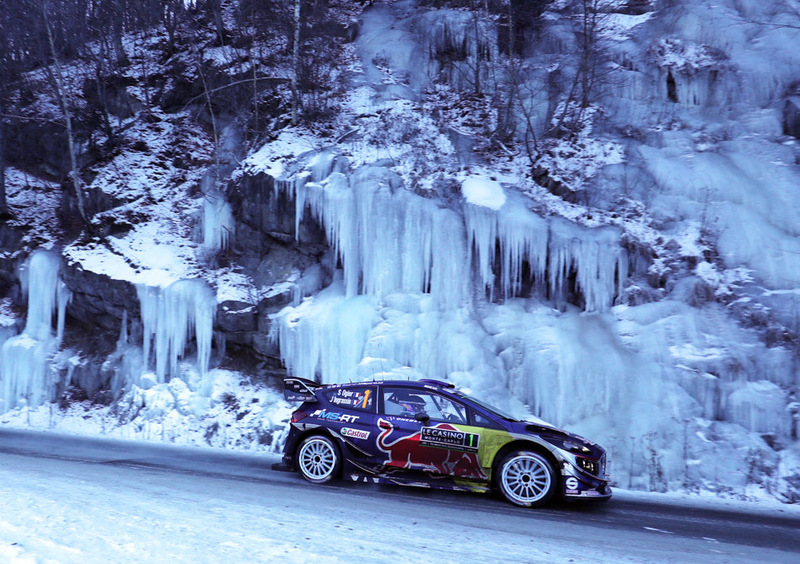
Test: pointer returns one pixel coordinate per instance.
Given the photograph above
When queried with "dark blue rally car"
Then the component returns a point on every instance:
(427, 433)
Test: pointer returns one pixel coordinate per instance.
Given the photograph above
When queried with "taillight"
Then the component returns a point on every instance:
(298, 415)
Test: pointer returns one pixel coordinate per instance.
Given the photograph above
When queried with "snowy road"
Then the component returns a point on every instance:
(67, 499)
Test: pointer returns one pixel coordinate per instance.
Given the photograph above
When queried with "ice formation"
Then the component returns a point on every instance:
(218, 222)
(512, 237)
(461, 47)
(25, 359)
(386, 238)
(522, 308)
(669, 388)
(405, 300)
(170, 316)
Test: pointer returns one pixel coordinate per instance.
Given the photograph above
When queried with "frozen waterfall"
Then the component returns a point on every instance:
(413, 270)
(25, 359)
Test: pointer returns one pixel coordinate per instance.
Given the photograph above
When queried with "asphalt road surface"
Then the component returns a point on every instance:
(72, 499)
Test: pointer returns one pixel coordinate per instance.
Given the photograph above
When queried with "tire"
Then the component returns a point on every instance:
(526, 479)
(318, 459)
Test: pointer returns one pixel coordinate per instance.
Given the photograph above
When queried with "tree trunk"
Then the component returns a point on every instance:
(216, 12)
(296, 62)
(61, 94)
(4, 212)
(103, 101)
(116, 40)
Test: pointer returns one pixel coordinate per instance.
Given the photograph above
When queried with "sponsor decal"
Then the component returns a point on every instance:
(353, 399)
(335, 416)
(571, 492)
(398, 418)
(571, 483)
(354, 433)
(449, 438)
(407, 450)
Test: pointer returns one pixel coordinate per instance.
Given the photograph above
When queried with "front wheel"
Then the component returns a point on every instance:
(318, 459)
(526, 479)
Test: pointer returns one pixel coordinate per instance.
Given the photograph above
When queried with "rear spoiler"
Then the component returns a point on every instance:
(299, 389)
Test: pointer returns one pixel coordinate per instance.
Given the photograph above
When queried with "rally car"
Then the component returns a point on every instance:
(427, 433)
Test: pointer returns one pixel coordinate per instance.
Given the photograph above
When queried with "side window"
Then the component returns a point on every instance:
(407, 402)
(360, 398)
(481, 420)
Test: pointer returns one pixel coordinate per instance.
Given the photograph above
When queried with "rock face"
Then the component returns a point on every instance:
(98, 300)
(10, 238)
(265, 215)
(268, 250)
(791, 117)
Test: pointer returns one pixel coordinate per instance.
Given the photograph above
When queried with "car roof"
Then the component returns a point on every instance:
(424, 383)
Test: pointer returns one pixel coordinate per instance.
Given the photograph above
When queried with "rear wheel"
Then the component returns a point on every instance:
(318, 459)
(526, 479)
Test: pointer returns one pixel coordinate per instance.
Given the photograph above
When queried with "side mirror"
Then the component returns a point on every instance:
(422, 417)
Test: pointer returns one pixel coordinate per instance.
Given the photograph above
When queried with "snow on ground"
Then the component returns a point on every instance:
(74, 511)
(151, 254)
(33, 202)
(227, 412)
(483, 192)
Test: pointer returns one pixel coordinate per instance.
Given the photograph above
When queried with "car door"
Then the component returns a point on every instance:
(351, 415)
(420, 429)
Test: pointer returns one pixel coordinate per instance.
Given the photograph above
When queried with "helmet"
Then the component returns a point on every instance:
(409, 404)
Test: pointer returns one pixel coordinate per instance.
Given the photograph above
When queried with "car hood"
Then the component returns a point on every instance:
(558, 437)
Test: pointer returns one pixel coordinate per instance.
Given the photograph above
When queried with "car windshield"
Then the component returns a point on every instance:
(487, 407)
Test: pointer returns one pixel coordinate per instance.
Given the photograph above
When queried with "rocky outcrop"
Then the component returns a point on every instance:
(10, 241)
(264, 215)
(791, 117)
(97, 299)
(268, 250)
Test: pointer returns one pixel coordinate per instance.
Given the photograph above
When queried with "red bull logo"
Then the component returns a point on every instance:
(440, 448)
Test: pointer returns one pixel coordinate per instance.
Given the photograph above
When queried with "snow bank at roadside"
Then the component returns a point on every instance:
(230, 413)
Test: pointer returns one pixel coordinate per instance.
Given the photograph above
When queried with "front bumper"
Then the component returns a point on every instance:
(579, 485)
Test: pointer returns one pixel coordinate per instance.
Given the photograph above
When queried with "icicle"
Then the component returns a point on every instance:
(46, 294)
(123, 332)
(503, 240)
(170, 316)
(218, 222)
(386, 240)
(24, 372)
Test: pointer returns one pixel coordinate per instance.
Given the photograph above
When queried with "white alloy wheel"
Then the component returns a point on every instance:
(526, 479)
(318, 459)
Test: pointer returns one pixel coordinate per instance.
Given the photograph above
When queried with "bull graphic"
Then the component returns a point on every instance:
(407, 452)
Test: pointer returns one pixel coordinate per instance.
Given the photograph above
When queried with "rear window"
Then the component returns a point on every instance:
(360, 398)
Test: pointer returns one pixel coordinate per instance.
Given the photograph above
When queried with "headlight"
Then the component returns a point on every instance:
(587, 465)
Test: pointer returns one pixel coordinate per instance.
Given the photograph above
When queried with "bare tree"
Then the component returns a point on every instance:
(215, 6)
(172, 13)
(4, 211)
(296, 62)
(57, 79)
(588, 66)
